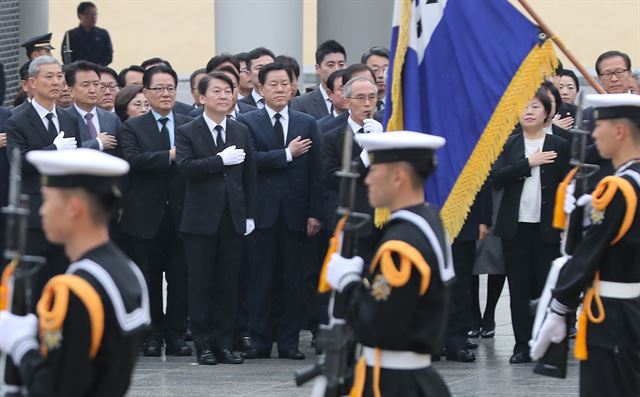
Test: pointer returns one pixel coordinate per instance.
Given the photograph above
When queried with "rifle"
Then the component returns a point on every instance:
(66, 50)
(334, 368)
(19, 291)
(554, 361)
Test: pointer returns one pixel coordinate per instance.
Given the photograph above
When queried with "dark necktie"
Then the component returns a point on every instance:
(260, 103)
(360, 131)
(164, 131)
(379, 105)
(53, 131)
(92, 128)
(277, 126)
(219, 140)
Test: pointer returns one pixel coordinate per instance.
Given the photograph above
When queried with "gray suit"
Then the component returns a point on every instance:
(109, 123)
(20, 107)
(312, 103)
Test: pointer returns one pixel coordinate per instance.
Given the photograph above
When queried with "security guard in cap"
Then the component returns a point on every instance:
(606, 263)
(38, 46)
(397, 306)
(85, 339)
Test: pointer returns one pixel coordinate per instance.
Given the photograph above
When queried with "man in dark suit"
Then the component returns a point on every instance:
(4, 173)
(336, 96)
(377, 58)
(153, 208)
(88, 42)
(41, 126)
(330, 122)
(237, 107)
(98, 128)
(258, 57)
(288, 210)
(330, 56)
(215, 155)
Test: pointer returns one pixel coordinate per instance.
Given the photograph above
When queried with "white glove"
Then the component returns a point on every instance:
(372, 127)
(251, 226)
(63, 143)
(553, 330)
(232, 156)
(18, 334)
(341, 271)
(570, 201)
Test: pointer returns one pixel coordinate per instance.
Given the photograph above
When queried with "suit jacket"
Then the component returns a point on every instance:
(154, 181)
(293, 186)
(182, 108)
(242, 107)
(480, 213)
(109, 123)
(332, 149)
(248, 100)
(20, 107)
(209, 183)
(26, 131)
(312, 103)
(4, 160)
(510, 171)
(329, 122)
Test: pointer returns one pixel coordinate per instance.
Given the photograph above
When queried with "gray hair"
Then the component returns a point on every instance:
(34, 67)
(347, 87)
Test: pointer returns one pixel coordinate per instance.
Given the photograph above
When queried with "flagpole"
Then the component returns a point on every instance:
(545, 28)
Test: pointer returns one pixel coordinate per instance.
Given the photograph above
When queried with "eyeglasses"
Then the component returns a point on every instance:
(382, 70)
(110, 87)
(364, 98)
(159, 90)
(619, 74)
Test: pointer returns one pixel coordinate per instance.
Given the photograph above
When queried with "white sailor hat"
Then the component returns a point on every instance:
(90, 169)
(614, 106)
(399, 146)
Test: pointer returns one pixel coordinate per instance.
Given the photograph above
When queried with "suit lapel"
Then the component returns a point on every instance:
(265, 125)
(291, 133)
(319, 103)
(82, 126)
(37, 124)
(207, 135)
(155, 136)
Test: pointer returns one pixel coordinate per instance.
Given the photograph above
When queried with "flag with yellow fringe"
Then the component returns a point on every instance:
(463, 70)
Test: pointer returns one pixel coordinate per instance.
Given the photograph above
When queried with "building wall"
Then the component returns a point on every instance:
(9, 42)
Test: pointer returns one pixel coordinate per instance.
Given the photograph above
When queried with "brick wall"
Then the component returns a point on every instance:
(9, 45)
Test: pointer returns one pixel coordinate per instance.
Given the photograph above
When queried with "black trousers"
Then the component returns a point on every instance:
(164, 253)
(276, 276)
(214, 265)
(610, 372)
(527, 258)
(459, 321)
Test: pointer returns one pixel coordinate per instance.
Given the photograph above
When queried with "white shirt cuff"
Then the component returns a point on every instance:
(289, 156)
(364, 156)
(100, 145)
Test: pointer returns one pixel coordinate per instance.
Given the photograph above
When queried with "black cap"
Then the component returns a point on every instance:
(38, 42)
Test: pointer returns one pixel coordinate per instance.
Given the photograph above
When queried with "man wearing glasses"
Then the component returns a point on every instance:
(110, 88)
(152, 209)
(377, 58)
(88, 42)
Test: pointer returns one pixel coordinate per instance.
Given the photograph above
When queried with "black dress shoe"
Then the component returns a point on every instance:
(519, 358)
(227, 356)
(242, 343)
(291, 354)
(206, 357)
(474, 333)
(256, 353)
(151, 347)
(470, 345)
(461, 355)
(489, 330)
(177, 347)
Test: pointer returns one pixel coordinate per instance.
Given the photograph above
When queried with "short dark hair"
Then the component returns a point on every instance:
(108, 70)
(558, 68)
(195, 74)
(84, 6)
(257, 53)
(271, 67)
(570, 73)
(123, 73)
(612, 54)
(24, 70)
(329, 47)
(337, 74)
(242, 57)
(291, 63)
(543, 97)
(356, 68)
(549, 86)
(153, 61)
(230, 70)
(71, 69)
(421, 168)
(377, 50)
(124, 96)
(215, 62)
(204, 82)
(149, 73)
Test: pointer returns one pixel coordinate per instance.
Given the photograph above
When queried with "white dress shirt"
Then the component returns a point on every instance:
(327, 101)
(212, 127)
(257, 97)
(42, 112)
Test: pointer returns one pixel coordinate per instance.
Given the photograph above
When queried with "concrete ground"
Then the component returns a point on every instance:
(490, 375)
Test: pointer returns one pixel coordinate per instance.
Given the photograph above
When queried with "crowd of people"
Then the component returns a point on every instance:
(232, 198)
